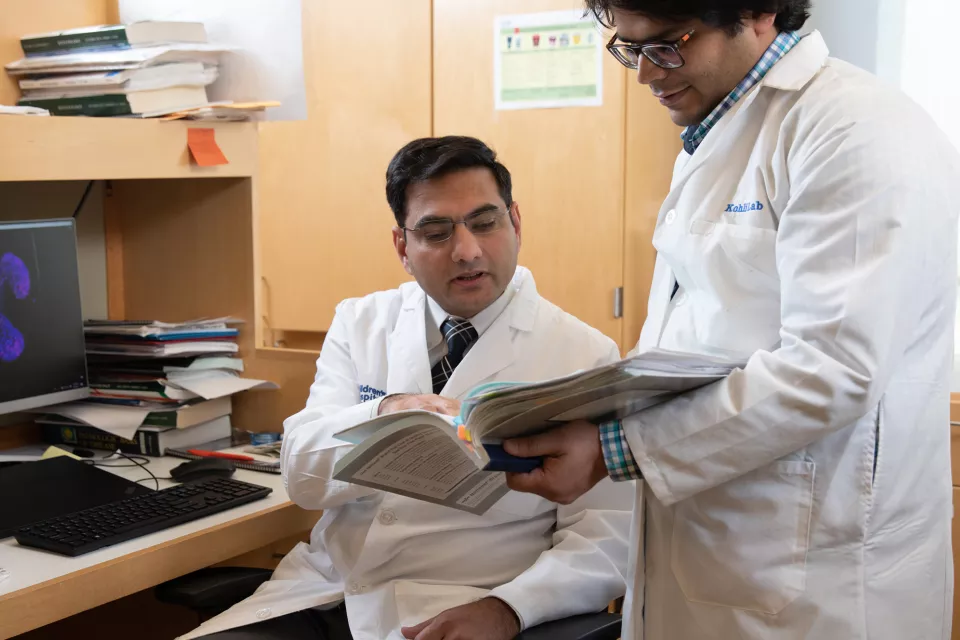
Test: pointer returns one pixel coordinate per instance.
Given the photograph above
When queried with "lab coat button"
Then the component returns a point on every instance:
(387, 517)
(671, 216)
(354, 588)
(263, 614)
(681, 299)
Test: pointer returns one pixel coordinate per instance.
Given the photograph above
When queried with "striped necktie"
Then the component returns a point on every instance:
(459, 335)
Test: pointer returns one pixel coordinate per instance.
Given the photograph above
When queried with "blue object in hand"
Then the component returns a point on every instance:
(500, 460)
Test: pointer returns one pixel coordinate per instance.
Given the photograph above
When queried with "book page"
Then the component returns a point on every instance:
(422, 462)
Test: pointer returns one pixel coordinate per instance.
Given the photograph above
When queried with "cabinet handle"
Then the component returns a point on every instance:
(618, 302)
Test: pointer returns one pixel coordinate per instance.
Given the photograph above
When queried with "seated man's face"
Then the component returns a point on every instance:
(469, 270)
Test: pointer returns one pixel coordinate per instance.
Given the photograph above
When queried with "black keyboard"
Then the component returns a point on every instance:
(91, 529)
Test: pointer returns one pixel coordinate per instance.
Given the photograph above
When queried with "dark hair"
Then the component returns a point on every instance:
(428, 158)
(726, 14)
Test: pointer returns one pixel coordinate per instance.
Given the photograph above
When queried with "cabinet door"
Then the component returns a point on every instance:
(324, 224)
(567, 164)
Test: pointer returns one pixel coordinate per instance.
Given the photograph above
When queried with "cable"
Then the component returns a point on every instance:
(136, 463)
(83, 199)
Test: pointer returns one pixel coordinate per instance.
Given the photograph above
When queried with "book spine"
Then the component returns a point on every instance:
(162, 419)
(105, 105)
(147, 443)
(100, 39)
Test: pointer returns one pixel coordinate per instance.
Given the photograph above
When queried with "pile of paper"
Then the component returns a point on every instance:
(145, 69)
(158, 375)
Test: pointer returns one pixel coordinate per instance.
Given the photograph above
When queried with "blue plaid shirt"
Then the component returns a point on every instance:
(621, 464)
(693, 136)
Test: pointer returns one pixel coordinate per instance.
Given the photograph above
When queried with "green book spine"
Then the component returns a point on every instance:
(61, 43)
(85, 437)
(105, 105)
(161, 419)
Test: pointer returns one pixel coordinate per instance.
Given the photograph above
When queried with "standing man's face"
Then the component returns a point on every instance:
(466, 272)
(714, 61)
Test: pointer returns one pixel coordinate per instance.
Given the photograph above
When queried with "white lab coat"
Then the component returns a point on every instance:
(809, 495)
(399, 561)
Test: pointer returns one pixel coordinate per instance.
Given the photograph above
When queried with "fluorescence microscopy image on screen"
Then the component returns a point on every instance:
(41, 323)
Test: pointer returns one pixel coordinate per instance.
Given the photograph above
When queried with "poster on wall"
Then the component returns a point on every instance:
(547, 60)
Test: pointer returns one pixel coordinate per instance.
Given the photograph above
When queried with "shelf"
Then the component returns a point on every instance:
(65, 148)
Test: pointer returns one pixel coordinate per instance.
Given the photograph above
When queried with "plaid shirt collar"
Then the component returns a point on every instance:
(693, 136)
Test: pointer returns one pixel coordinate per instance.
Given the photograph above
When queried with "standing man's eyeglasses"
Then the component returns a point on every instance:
(665, 55)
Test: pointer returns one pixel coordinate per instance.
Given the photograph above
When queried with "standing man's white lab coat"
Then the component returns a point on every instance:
(808, 496)
(398, 561)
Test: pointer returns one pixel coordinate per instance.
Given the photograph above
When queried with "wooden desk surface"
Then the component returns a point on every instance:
(43, 587)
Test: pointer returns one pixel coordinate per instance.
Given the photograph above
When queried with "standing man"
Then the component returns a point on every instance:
(810, 232)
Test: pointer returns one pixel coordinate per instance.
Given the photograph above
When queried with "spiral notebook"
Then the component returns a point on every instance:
(219, 445)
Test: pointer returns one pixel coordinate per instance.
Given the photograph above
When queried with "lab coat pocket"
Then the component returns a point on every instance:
(744, 544)
(736, 262)
(417, 601)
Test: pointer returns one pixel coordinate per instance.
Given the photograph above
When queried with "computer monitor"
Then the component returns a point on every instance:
(42, 358)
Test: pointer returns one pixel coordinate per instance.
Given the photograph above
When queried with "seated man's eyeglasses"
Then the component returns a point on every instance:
(439, 230)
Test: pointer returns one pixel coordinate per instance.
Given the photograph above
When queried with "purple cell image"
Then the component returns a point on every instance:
(11, 341)
(14, 273)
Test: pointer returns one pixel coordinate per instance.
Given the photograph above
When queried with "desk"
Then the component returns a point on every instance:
(44, 587)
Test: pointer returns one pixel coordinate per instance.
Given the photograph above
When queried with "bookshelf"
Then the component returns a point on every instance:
(180, 240)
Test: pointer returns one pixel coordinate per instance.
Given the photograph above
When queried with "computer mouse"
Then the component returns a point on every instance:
(202, 470)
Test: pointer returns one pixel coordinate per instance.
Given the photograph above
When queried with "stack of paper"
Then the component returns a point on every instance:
(145, 69)
(155, 376)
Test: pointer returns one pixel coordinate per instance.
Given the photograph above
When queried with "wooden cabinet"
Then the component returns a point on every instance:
(589, 181)
(324, 228)
(567, 164)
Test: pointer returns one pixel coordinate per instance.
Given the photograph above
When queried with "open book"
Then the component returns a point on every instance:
(458, 461)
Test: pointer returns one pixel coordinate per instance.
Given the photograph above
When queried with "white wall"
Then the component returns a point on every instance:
(850, 28)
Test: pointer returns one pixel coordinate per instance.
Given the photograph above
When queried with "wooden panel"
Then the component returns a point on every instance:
(18, 435)
(38, 16)
(325, 224)
(68, 148)
(956, 554)
(188, 253)
(56, 599)
(567, 164)
(653, 142)
(955, 454)
(268, 557)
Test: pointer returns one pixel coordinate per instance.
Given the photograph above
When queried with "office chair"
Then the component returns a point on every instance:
(213, 590)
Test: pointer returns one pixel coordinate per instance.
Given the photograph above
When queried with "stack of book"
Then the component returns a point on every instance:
(143, 69)
(153, 386)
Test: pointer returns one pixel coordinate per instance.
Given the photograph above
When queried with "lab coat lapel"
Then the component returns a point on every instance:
(497, 348)
(409, 364)
(792, 73)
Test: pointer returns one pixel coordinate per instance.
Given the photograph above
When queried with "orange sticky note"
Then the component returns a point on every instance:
(204, 148)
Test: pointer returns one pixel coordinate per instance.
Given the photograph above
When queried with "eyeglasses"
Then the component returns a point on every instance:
(665, 55)
(438, 231)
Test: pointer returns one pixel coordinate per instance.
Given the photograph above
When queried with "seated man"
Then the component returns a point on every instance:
(380, 565)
